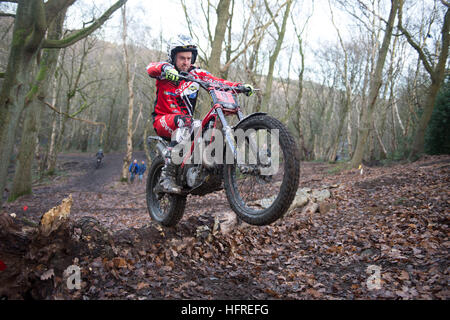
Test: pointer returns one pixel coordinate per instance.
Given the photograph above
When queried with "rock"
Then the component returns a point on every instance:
(227, 221)
(367, 253)
(321, 195)
(310, 208)
(202, 231)
(324, 207)
(263, 203)
(301, 199)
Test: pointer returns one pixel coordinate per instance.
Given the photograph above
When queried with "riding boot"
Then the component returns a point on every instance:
(168, 178)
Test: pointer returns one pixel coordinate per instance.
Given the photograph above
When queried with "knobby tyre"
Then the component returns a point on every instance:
(168, 210)
(247, 198)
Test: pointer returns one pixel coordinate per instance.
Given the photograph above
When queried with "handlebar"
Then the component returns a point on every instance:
(208, 85)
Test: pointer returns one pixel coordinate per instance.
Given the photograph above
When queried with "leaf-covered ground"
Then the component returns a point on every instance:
(388, 221)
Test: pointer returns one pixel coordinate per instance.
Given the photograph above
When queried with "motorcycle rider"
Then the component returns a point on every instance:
(176, 100)
(99, 154)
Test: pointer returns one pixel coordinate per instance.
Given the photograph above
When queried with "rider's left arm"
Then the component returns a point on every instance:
(154, 69)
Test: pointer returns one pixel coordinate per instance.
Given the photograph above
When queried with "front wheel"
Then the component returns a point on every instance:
(165, 209)
(262, 182)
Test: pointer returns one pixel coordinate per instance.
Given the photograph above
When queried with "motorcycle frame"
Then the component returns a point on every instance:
(217, 111)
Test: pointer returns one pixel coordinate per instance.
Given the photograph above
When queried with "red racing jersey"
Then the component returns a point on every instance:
(180, 97)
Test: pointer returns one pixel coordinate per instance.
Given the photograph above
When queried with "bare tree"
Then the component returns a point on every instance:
(130, 81)
(279, 38)
(32, 19)
(435, 67)
(375, 84)
(23, 177)
(250, 34)
(348, 94)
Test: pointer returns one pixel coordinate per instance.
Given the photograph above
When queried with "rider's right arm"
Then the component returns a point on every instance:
(154, 69)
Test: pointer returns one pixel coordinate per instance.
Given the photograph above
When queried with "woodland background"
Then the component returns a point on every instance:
(368, 95)
(73, 79)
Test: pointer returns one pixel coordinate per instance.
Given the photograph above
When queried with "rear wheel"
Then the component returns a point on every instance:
(261, 186)
(166, 209)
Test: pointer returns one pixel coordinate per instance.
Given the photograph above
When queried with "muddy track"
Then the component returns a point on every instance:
(78, 176)
(87, 177)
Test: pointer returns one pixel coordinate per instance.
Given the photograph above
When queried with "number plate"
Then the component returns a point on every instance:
(224, 98)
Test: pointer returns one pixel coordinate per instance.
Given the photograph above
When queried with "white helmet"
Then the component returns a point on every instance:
(181, 43)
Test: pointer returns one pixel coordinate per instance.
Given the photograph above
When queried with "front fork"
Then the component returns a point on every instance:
(229, 137)
(227, 131)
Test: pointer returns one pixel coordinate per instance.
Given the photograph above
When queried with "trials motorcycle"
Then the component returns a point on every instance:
(98, 162)
(256, 161)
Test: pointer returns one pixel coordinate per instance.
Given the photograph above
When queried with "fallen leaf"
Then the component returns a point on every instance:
(404, 275)
(314, 293)
(47, 274)
(119, 262)
(142, 285)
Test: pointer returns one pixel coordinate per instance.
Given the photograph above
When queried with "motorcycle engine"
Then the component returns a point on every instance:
(193, 176)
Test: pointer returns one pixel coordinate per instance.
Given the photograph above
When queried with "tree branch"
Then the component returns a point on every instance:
(54, 7)
(71, 117)
(411, 41)
(257, 34)
(39, 27)
(271, 15)
(445, 42)
(82, 33)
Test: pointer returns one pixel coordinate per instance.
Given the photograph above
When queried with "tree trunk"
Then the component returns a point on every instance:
(223, 17)
(437, 75)
(337, 138)
(109, 129)
(23, 173)
(50, 162)
(375, 84)
(30, 27)
(130, 80)
(16, 85)
(349, 136)
(252, 71)
(274, 57)
(419, 136)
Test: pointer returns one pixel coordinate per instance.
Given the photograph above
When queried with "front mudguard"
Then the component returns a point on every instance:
(248, 117)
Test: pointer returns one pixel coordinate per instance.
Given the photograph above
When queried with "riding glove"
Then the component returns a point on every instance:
(171, 73)
(248, 89)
